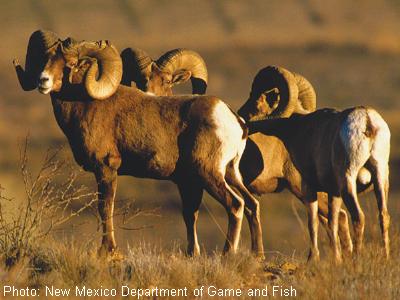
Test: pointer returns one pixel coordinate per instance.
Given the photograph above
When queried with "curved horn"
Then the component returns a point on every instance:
(136, 66)
(39, 42)
(179, 59)
(277, 77)
(109, 72)
(307, 96)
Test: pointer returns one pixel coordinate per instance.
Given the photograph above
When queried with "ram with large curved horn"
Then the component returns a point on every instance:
(179, 60)
(158, 77)
(44, 47)
(277, 93)
(266, 165)
(195, 141)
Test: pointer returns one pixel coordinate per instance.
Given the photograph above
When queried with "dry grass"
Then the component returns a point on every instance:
(369, 276)
(66, 264)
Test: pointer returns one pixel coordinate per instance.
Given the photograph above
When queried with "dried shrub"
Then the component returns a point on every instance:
(50, 197)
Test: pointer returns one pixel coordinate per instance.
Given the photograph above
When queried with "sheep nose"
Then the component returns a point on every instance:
(43, 79)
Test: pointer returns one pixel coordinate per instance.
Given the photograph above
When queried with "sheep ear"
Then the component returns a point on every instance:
(181, 76)
(272, 96)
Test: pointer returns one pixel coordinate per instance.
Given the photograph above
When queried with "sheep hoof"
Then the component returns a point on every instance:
(115, 256)
(313, 256)
(110, 254)
(260, 256)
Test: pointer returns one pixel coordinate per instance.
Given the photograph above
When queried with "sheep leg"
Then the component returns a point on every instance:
(312, 210)
(249, 217)
(191, 195)
(350, 198)
(381, 187)
(346, 243)
(256, 240)
(333, 220)
(344, 233)
(344, 230)
(324, 221)
(234, 206)
(256, 231)
(107, 185)
(252, 209)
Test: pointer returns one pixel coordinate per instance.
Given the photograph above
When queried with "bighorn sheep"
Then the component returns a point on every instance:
(266, 165)
(149, 77)
(194, 141)
(158, 77)
(330, 149)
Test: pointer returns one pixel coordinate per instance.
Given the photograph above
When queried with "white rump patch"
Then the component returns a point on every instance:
(359, 147)
(229, 133)
(356, 144)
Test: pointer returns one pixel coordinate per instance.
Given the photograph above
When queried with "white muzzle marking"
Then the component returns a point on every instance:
(45, 82)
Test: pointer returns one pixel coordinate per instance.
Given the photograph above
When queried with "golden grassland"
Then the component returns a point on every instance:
(66, 264)
(350, 51)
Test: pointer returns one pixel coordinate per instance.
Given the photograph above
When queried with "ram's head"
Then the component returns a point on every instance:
(49, 60)
(158, 77)
(278, 93)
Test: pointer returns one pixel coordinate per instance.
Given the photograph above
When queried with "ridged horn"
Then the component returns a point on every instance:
(184, 59)
(39, 42)
(101, 82)
(136, 65)
(307, 95)
(277, 77)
